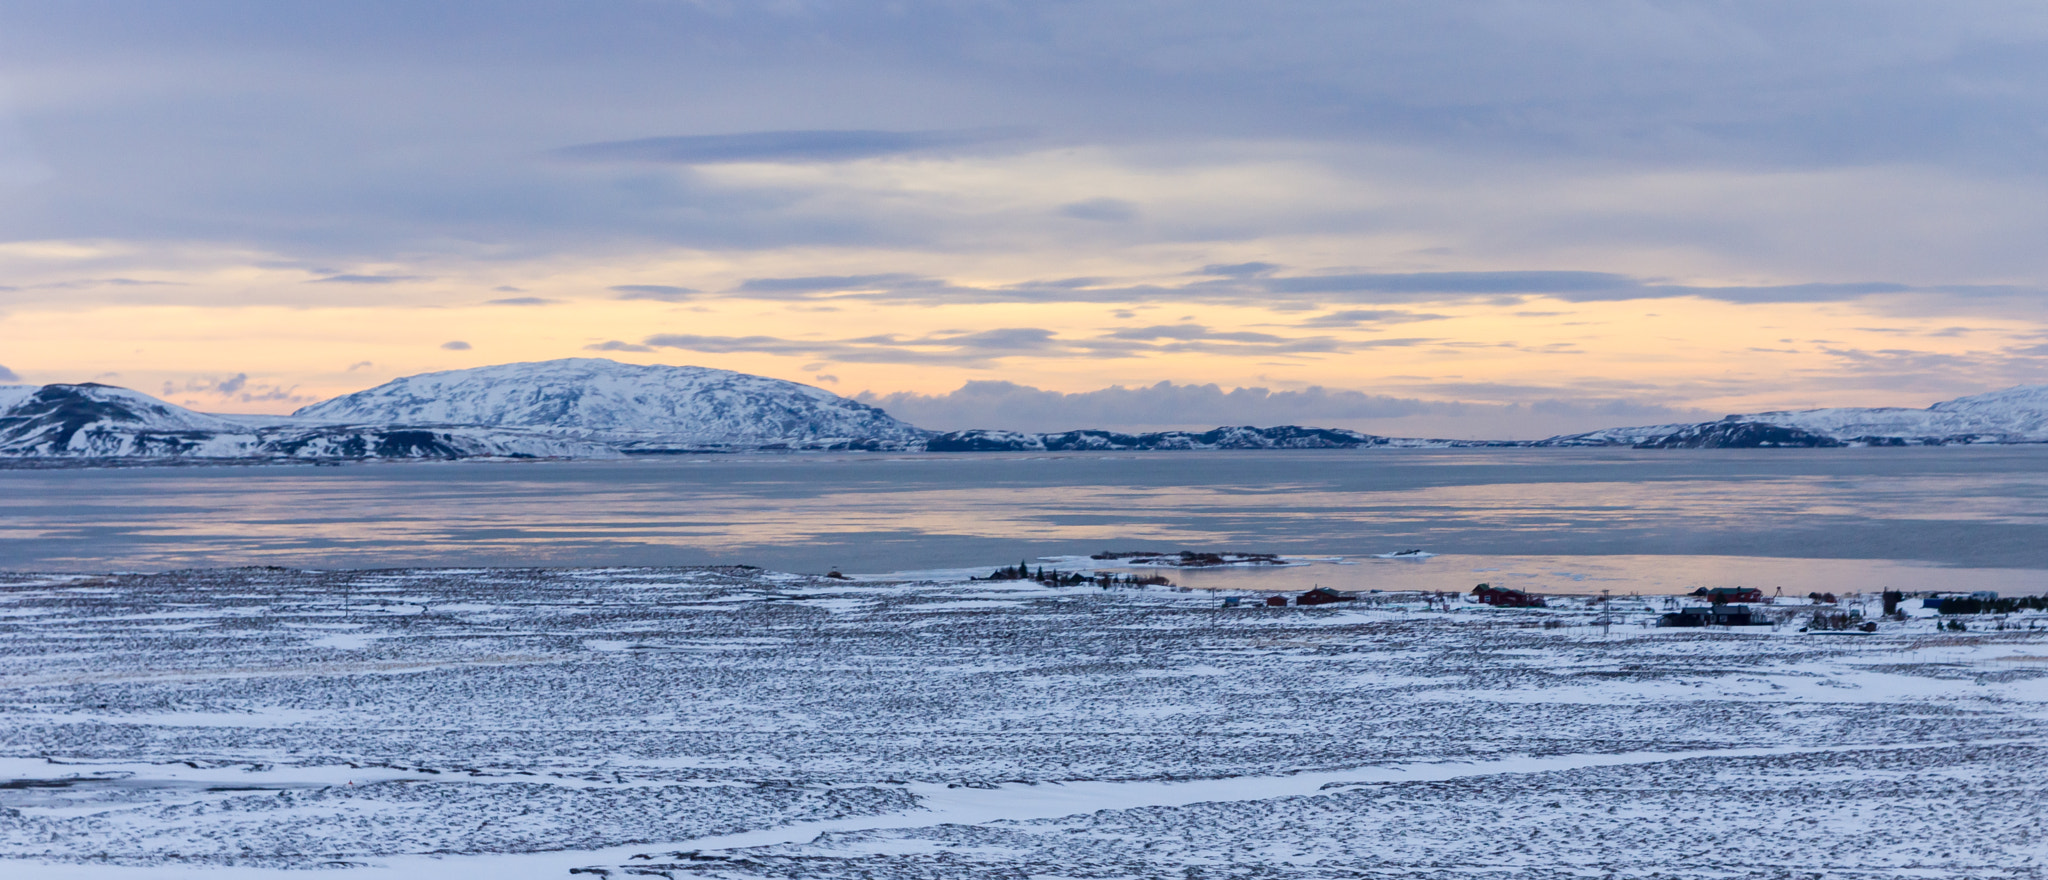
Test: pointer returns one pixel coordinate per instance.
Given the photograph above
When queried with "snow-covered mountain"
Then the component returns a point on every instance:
(2015, 415)
(92, 421)
(639, 408)
(1241, 437)
(594, 408)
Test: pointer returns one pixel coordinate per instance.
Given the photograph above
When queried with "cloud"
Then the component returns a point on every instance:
(1568, 286)
(365, 279)
(455, 345)
(658, 292)
(1238, 270)
(1266, 343)
(359, 365)
(1356, 317)
(1542, 412)
(1255, 282)
(1164, 331)
(1628, 115)
(7, 375)
(1456, 283)
(616, 345)
(784, 146)
(507, 288)
(1105, 209)
(814, 284)
(977, 349)
(1357, 144)
(239, 388)
(733, 344)
(521, 301)
(82, 283)
(980, 349)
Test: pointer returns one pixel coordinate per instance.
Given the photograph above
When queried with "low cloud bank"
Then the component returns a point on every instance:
(1168, 406)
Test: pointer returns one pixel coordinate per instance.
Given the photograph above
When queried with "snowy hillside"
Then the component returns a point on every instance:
(595, 408)
(2015, 415)
(92, 421)
(644, 408)
(1243, 437)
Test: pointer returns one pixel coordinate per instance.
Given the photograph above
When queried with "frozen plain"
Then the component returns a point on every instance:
(734, 723)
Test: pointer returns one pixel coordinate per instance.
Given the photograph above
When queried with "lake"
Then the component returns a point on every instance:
(1619, 519)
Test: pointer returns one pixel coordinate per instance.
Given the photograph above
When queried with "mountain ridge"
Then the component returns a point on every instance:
(2008, 416)
(90, 421)
(578, 408)
(652, 408)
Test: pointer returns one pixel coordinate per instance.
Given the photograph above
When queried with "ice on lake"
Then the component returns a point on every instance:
(868, 513)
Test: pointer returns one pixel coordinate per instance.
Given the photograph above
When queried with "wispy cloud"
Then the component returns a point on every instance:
(811, 285)
(237, 388)
(1456, 283)
(1361, 317)
(983, 348)
(1257, 282)
(1237, 270)
(1102, 209)
(657, 292)
(366, 279)
(82, 283)
(787, 146)
(521, 301)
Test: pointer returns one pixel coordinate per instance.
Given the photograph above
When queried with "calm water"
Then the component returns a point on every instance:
(1617, 519)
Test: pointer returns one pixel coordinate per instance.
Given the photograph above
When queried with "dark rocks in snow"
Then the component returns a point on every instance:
(1240, 437)
(1739, 435)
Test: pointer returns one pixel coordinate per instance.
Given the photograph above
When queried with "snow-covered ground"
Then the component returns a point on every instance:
(736, 723)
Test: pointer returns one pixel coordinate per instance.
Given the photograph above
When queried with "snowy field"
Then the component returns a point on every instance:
(732, 723)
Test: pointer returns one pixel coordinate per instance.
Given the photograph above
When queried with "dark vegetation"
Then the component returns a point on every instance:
(1830, 620)
(1057, 578)
(1967, 605)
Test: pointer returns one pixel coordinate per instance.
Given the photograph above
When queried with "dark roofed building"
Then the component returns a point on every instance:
(1322, 596)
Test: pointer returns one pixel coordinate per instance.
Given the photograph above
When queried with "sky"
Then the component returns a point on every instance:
(1479, 219)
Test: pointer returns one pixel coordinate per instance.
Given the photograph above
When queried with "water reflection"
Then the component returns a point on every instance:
(1955, 507)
